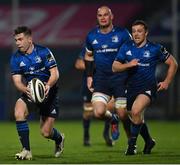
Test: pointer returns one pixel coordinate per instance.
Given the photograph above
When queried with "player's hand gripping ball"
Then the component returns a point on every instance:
(37, 90)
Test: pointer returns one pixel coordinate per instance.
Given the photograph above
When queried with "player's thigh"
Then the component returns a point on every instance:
(121, 107)
(20, 111)
(100, 101)
(111, 104)
(141, 102)
(119, 93)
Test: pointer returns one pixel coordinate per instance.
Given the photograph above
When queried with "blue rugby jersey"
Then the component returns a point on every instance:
(34, 65)
(142, 76)
(105, 46)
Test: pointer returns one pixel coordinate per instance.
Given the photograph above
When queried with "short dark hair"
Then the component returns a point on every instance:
(141, 22)
(22, 29)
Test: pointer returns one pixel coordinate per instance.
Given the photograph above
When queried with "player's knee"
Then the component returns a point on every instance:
(136, 116)
(122, 114)
(99, 114)
(87, 114)
(20, 112)
(19, 115)
(135, 113)
(45, 133)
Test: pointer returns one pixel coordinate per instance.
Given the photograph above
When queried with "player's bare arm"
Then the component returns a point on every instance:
(119, 67)
(54, 76)
(172, 69)
(89, 56)
(17, 80)
(89, 64)
(79, 64)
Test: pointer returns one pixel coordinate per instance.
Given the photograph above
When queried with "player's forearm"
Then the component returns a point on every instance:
(119, 67)
(53, 77)
(17, 80)
(89, 68)
(80, 65)
(20, 86)
(171, 72)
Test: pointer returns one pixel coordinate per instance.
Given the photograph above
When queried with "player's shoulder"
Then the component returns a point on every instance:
(128, 44)
(93, 31)
(42, 49)
(154, 45)
(119, 29)
(15, 54)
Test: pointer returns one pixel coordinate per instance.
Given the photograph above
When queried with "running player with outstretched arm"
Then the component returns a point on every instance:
(140, 57)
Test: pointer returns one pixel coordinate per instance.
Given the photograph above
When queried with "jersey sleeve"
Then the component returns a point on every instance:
(50, 61)
(126, 36)
(121, 55)
(15, 66)
(163, 53)
(88, 44)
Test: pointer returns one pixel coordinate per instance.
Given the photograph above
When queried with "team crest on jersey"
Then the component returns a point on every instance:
(146, 53)
(94, 42)
(129, 53)
(22, 64)
(38, 59)
(115, 39)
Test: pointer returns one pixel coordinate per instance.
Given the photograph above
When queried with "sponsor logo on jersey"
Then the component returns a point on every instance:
(143, 64)
(115, 39)
(31, 70)
(107, 50)
(94, 42)
(129, 53)
(22, 64)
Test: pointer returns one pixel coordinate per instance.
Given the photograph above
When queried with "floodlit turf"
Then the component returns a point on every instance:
(166, 151)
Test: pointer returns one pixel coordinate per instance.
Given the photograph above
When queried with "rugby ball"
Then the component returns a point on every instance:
(37, 90)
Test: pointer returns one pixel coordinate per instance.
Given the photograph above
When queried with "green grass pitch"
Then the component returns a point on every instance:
(166, 151)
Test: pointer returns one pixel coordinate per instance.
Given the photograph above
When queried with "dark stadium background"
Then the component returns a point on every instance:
(63, 25)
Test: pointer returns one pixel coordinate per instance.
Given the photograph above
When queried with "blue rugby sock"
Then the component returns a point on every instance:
(144, 132)
(86, 125)
(23, 132)
(56, 136)
(106, 127)
(135, 129)
(127, 127)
